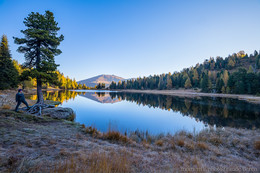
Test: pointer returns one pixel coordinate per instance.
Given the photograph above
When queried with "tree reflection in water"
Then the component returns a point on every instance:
(221, 112)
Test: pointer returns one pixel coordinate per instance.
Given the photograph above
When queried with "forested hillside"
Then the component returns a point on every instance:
(238, 73)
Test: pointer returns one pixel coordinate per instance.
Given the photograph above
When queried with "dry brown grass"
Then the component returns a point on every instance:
(92, 131)
(146, 144)
(180, 142)
(172, 144)
(257, 145)
(190, 146)
(96, 162)
(216, 140)
(195, 161)
(202, 146)
(115, 136)
(76, 151)
(6, 107)
(159, 143)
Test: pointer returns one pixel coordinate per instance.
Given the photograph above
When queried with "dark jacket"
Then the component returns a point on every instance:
(20, 97)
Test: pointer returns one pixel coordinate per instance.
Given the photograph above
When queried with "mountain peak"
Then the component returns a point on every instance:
(103, 78)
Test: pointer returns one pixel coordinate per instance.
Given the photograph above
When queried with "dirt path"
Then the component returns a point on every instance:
(193, 93)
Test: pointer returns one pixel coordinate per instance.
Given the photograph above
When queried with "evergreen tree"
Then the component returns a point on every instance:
(98, 86)
(39, 47)
(220, 86)
(257, 61)
(195, 78)
(112, 85)
(123, 85)
(252, 83)
(161, 84)
(211, 76)
(8, 73)
(237, 80)
(205, 83)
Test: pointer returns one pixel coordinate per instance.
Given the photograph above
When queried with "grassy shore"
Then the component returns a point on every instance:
(32, 144)
(197, 93)
(41, 144)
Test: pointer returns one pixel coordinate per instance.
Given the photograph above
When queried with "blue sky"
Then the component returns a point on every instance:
(132, 38)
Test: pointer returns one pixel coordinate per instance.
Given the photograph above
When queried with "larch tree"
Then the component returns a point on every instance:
(169, 81)
(195, 78)
(8, 73)
(187, 83)
(225, 77)
(40, 46)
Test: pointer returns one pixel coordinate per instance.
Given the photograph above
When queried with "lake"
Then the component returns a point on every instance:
(154, 113)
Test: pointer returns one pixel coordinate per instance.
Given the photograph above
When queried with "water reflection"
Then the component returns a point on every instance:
(213, 111)
(101, 97)
(61, 96)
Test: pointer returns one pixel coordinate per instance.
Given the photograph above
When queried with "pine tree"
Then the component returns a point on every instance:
(98, 86)
(161, 84)
(112, 85)
(220, 85)
(205, 83)
(8, 73)
(195, 78)
(39, 47)
(257, 61)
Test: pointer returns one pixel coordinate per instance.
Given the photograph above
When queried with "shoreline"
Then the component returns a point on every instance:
(33, 144)
(193, 93)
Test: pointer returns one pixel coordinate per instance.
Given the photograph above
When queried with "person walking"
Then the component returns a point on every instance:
(20, 99)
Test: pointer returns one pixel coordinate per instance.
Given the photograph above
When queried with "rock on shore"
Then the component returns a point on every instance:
(59, 113)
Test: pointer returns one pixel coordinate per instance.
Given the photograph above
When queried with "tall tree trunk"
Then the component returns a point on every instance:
(39, 91)
(39, 82)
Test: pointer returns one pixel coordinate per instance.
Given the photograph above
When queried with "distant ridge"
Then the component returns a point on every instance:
(104, 78)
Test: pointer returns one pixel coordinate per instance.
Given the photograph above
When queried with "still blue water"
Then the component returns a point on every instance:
(129, 116)
(156, 113)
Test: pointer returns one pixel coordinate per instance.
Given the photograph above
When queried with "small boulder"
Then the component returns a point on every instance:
(59, 113)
